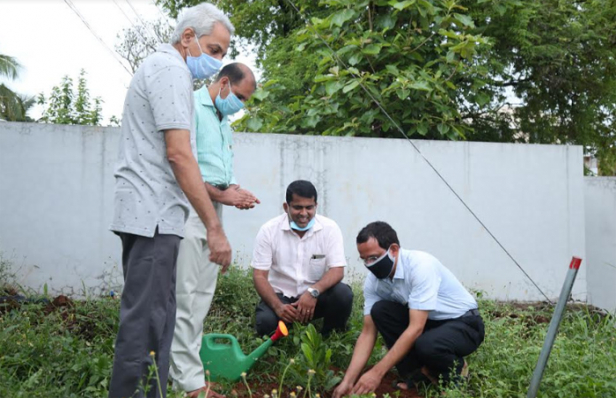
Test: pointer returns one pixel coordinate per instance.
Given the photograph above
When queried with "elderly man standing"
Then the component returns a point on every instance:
(157, 176)
(196, 276)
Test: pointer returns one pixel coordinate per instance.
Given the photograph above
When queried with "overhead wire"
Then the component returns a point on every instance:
(70, 4)
(443, 179)
(135, 26)
(148, 28)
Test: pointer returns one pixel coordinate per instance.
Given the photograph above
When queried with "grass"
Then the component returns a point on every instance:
(66, 349)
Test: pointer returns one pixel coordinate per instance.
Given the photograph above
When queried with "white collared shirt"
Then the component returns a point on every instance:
(295, 263)
(422, 283)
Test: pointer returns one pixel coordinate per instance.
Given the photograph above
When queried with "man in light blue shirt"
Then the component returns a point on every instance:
(196, 274)
(428, 320)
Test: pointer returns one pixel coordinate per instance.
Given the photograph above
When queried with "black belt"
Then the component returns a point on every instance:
(473, 312)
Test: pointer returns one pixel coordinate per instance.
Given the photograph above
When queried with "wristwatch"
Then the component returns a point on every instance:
(313, 292)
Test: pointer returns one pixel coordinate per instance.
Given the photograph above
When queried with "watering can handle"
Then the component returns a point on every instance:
(209, 339)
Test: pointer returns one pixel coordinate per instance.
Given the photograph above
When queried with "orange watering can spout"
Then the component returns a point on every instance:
(227, 360)
(281, 331)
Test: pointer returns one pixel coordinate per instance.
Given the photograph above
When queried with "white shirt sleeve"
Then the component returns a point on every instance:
(370, 296)
(335, 249)
(425, 282)
(262, 255)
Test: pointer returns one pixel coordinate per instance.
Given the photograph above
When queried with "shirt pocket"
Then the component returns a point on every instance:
(316, 267)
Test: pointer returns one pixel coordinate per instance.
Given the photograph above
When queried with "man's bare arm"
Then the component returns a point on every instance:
(286, 312)
(187, 174)
(361, 355)
(330, 278)
(371, 379)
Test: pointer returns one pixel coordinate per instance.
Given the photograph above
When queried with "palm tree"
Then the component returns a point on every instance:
(13, 106)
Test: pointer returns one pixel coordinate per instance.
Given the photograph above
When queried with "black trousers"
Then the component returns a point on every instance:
(442, 346)
(147, 314)
(333, 305)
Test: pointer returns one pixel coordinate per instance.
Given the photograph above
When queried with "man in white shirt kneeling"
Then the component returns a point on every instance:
(298, 265)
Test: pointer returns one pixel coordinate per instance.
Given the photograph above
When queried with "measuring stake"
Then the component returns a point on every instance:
(553, 329)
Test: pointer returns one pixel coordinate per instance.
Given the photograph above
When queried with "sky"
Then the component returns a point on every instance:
(50, 41)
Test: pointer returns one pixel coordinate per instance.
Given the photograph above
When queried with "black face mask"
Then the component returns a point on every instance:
(382, 267)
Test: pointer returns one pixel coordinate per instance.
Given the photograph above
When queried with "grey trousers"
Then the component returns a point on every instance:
(147, 315)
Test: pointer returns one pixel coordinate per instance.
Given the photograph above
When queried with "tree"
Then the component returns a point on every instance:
(441, 68)
(65, 106)
(13, 106)
(137, 42)
(559, 59)
(404, 53)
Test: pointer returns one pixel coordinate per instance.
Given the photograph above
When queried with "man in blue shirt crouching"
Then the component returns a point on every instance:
(428, 320)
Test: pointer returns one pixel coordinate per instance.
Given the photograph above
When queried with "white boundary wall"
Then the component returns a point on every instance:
(600, 195)
(56, 203)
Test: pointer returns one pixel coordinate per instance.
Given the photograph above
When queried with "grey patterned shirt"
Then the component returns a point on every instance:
(147, 195)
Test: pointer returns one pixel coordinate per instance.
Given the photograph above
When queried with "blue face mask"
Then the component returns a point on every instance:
(230, 105)
(306, 228)
(203, 66)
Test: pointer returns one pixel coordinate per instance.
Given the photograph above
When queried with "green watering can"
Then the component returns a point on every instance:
(228, 361)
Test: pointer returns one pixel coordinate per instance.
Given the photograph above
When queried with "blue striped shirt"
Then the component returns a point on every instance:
(214, 142)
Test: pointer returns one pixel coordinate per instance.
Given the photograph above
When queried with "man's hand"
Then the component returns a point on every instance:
(220, 250)
(240, 198)
(287, 313)
(305, 307)
(343, 389)
(367, 383)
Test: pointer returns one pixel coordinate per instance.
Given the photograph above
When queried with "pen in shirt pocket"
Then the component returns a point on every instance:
(317, 256)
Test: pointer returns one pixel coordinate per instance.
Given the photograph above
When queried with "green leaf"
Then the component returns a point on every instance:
(354, 71)
(482, 99)
(254, 124)
(341, 17)
(332, 86)
(354, 59)
(372, 49)
(464, 20)
(425, 8)
(350, 86)
(260, 94)
(443, 128)
(393, 69)
(385, 22)
(403, 93)
(421, 85)
(401, 5)
(422, 128)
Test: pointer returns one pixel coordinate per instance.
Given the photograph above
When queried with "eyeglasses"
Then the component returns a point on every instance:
(368, 261)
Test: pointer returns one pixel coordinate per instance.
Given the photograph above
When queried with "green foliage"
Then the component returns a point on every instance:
(559, 59)
(67, 351)
(401, 54)
(316, 356)
(67, 106)
(503, 70)
(13, 106)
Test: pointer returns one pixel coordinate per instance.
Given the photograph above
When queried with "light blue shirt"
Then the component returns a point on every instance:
(422, 283)
(214, 142)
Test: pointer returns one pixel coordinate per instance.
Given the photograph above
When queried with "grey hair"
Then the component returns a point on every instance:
(201, 18)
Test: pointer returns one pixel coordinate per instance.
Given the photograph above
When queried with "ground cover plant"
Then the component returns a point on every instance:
(64, 348)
